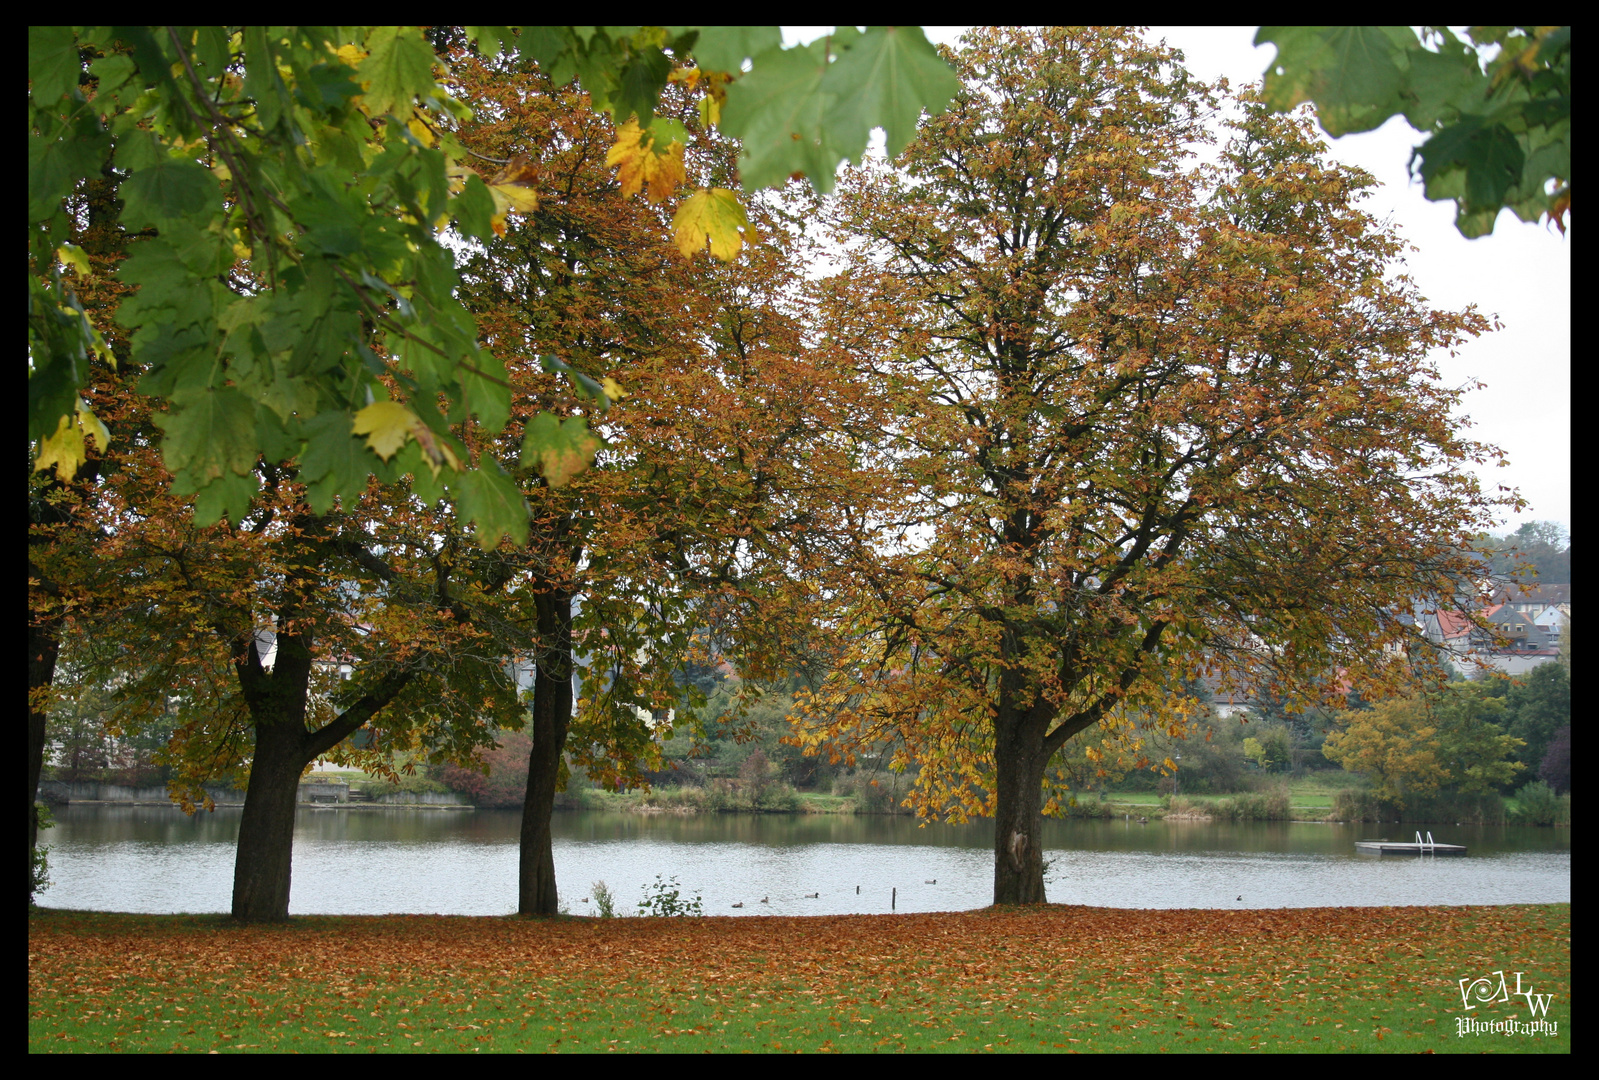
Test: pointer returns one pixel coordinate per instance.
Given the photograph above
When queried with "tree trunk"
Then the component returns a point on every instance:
(552, 715)
(266, 833)
(43, 647)
(1018, 824)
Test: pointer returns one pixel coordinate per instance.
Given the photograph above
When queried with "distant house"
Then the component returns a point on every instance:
(1230, 700)
(1532, 599)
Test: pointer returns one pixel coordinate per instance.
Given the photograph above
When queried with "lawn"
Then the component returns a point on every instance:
(1053, 979)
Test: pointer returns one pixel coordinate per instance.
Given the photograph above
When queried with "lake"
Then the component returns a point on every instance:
(423, 861)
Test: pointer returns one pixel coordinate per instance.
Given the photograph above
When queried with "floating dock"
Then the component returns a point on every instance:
(1418, 846)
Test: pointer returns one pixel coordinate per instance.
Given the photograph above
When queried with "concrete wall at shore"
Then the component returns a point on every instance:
(59, 792)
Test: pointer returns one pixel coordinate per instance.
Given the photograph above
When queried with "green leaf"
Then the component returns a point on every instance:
(491, 500)
(56, 164)
(169, 190)
(777, 110)
(489, 39)
(335, 462)
(559, 449)
(1490, 155)
(209, 433)
(638, 85)
(725, 48)
(53, 64)
(1441, 86)
(885, 79)
(227, 496)
(1353, 74)
(487, 391)
(399, 68)
(474, 209)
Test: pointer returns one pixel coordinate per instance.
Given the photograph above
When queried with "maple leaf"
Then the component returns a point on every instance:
(512, 188)
(386, 425)
(710, 216)
(559, 449)
(63, 449)
(640, 162)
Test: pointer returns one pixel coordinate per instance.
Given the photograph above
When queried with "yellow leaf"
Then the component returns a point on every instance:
(73, 256)
(710, 111)
(386, 424)
(64, 450)
(423, 133)
(613, 389)
(508, 197)
(351, 54)
(640, 165)
(92, 426)
(710, 216)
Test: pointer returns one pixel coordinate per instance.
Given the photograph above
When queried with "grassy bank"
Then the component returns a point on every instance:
(1054, 979)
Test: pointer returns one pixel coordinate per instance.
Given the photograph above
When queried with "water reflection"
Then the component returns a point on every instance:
(464, 862)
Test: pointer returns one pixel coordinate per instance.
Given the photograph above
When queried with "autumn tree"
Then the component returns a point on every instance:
(276, 639)
(1140, 419)
(291, 187)
(689, 384)
(1416, 745)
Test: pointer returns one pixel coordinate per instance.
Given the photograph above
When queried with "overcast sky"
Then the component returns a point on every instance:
(1521, 274)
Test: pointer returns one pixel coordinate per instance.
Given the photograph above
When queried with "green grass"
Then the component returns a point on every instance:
(1043, 980)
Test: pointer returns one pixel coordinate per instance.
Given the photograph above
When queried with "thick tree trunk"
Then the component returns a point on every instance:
(552, 715)
(266, 832)
(1019, 761)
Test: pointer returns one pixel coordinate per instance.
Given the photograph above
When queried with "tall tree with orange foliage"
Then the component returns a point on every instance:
(688, 390)
(1145, 419)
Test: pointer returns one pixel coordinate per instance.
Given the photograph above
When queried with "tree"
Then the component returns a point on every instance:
(289, 188)
(293, 185)
(1556, 765)
(1495, 105)
(1541, 547)
(632, 561)
(1420, 744)
(1134, 420)
(1535, 711)
(277, 639)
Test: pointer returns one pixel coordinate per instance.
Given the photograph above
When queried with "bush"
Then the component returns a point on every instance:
(39, 880)
(1537, 804)
(1180, 807)
(1355, 805)
(1254, 806)
(869, 797)
(604, 899)
(414, 784)
(505, 784)
(1447, 808)
(665, 898)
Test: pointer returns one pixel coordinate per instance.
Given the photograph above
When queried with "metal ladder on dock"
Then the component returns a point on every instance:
(1428, 844)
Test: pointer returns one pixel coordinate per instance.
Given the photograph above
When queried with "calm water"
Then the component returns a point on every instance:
(155, 859)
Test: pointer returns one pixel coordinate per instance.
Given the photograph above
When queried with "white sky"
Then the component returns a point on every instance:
(1521, 274)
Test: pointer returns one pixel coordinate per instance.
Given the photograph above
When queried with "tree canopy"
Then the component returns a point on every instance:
(294, 188)
(1138, 420)
(1495, 105)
